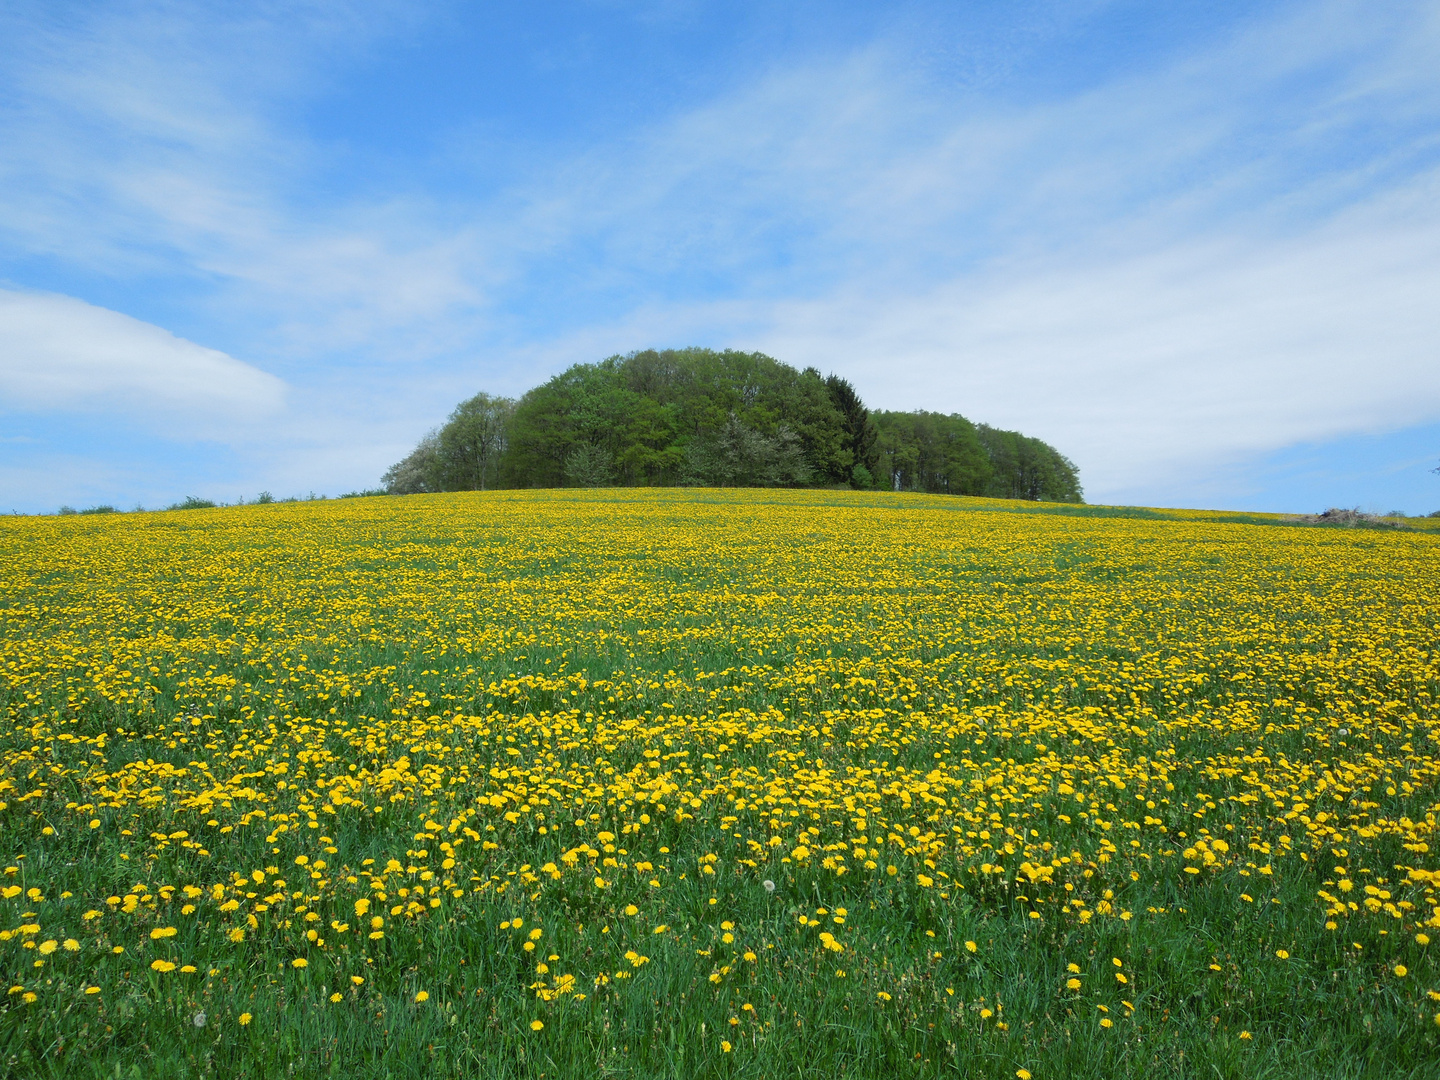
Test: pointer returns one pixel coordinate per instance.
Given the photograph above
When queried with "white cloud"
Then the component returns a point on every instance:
(151, 141)
(1168, 363)
(1163, 276)
(60, 354)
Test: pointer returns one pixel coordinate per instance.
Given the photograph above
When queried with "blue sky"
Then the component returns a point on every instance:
(267, 246)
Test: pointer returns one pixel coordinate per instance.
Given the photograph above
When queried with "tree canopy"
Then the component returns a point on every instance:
(720, 419)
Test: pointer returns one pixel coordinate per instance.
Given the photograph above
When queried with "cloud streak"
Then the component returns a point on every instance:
(59, 354)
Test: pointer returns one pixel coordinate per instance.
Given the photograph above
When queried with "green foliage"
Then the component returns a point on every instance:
(932, 452)
(589, 466)
(1026, 468)
(628, 435)
(105, 509)
(192, 502)
(471, 443)
(739, 456)
(659, 418)
(679, 416)
(861, 434)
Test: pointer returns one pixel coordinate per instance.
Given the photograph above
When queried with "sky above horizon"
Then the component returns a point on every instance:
(265, 246)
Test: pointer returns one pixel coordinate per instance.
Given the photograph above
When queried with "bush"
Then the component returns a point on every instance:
(192, 502)
(100, 510)
(1343, 518)
(367, 493)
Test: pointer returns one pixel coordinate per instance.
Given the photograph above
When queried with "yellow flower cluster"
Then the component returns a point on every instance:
(306, 729)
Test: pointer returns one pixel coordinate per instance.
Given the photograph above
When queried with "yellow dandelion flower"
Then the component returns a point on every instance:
(162, 965)
(299, 962)
(245, 1019)
(537, 1025)
(422, 995)
(725, 1046)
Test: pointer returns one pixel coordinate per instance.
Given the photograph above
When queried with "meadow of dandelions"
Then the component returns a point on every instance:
(693, 783)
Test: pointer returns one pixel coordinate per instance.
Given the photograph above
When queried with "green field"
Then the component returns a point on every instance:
(717, 784)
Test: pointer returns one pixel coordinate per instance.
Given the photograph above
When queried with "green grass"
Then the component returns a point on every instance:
(1334, 1009)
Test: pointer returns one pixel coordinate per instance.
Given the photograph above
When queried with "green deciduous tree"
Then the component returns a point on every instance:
(931, 452)
(1026, 468)
(727, 418)
(471, 443)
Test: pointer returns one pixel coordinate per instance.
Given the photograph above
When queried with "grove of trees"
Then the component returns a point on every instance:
(720, 419)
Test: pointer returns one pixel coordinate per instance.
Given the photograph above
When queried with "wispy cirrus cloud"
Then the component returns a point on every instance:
(1166, 275)
(150, 143)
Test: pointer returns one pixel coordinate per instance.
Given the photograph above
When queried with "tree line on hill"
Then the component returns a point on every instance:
(721, 419)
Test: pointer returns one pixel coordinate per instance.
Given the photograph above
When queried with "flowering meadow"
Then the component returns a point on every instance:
(716, 783)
